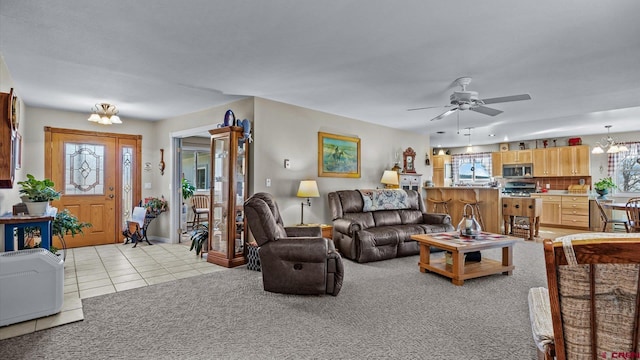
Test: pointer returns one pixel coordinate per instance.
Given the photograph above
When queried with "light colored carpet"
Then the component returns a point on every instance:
(386, 309)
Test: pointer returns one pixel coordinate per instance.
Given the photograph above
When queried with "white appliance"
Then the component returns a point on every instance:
(31, 285)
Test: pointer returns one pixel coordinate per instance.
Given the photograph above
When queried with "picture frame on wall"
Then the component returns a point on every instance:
(338, 156)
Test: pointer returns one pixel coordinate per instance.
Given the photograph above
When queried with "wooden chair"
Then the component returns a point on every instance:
(200, 207)
(633, 213)
(606, 220)
(591, 309)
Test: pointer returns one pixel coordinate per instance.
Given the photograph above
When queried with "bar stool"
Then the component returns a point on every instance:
(476, 209)
(440, 204)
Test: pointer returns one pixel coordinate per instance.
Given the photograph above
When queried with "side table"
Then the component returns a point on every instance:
(20, 223)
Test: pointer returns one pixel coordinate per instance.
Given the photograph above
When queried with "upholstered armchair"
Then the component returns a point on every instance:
(294, 260)
(591, 307)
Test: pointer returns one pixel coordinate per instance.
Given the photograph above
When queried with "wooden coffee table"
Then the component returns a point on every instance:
(458, 271)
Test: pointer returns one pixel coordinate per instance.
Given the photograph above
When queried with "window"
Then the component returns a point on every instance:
(195, 166)
(624, 169)
(472, 167)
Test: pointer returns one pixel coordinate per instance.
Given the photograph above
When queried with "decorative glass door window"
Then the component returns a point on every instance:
(84, 169)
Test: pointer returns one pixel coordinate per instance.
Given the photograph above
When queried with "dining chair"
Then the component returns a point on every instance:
(200, 207)
(606, 220)
(633, 213)
(591, 308)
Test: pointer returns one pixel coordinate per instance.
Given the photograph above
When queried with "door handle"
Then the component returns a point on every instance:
(110, 196)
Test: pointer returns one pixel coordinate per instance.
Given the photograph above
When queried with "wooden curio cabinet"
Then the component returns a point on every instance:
(229, 180)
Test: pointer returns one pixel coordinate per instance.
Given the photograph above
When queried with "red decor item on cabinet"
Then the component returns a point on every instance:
(575, 141)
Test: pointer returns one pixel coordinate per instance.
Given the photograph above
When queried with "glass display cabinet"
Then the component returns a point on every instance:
(229, 180)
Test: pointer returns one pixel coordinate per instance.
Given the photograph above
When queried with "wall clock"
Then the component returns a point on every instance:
(409, 160)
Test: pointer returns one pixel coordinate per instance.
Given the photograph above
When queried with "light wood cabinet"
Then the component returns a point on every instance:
(439, 164)
(575, 211)
(516, 157)
(440, 160)
(545, 162)
(574, 160)
(229, 179)
(551, 209)
(496, 164)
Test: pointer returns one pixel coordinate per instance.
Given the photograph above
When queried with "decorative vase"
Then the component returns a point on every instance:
(469, 226)
(36, 208)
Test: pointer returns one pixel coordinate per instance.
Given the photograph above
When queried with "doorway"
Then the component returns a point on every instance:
(98, 175)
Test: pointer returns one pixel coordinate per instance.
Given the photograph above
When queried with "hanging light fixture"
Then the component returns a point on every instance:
(608, 145)
(105, 114)
(469, 147)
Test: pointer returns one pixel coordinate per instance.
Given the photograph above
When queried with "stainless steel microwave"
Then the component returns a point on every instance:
(517, 171)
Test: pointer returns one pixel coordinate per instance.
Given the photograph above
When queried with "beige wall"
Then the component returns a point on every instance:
(283, 131)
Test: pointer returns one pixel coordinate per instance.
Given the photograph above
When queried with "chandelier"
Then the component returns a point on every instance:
(105, 114)
(608, 145)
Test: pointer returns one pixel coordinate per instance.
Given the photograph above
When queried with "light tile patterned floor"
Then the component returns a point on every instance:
(98, 270)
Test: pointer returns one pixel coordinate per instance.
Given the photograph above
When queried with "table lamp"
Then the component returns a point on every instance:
(308, 189)
(390, 179)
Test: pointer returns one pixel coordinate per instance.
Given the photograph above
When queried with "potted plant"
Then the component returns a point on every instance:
(36, 194)
(187, 192)
(156, 205)
(603, 185)
(66, 223)
(199, 238)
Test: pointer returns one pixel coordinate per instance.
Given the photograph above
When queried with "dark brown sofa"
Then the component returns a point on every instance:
(371, 225)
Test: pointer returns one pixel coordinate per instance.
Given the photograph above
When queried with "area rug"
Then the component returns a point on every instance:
(386, 310)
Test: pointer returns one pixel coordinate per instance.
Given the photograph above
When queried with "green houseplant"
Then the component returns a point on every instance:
(603, 185)
(36, 194)
(156, 205)
(66, 223)
(187, 189)
(199, 238)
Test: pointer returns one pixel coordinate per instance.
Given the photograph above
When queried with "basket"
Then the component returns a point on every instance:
(578, 189)
(521, 227)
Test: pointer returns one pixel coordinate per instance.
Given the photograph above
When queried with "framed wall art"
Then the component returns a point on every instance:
(338, 156)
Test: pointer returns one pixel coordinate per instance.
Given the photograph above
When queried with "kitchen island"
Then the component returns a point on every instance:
(489, 203)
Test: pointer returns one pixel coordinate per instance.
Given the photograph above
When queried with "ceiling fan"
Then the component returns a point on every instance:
(469, 100)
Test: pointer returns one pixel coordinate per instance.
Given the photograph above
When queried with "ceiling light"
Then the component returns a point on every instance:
(608, 145)
(105, 114)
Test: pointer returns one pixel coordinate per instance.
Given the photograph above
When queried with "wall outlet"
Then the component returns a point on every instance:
(268, 183)
(147, 186)
(287, 164)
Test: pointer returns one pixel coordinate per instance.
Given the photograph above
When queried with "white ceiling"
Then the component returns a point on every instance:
(365, 59)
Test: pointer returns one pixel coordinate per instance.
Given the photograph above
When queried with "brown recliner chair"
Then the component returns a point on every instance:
(294, 260)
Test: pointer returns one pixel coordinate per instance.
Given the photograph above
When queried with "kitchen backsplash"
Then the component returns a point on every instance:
(562, 183)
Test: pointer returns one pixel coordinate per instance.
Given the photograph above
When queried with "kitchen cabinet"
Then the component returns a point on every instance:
(575, 211)
(574, 160)
(545, 162)
(440, 163)
(551, 209)
(229, 157)
(516, 157)
(496, 164)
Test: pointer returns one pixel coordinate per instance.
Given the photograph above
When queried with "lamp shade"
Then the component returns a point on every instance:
(389, 177)
(308, 188)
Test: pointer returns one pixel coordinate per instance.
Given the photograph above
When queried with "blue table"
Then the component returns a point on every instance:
(22, 222)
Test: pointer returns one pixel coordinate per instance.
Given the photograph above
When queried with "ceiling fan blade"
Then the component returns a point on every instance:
(444, 114)
(486, 110)
(423, 108)
(507, 99)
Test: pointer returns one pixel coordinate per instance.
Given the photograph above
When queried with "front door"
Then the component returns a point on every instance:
(96, 181)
